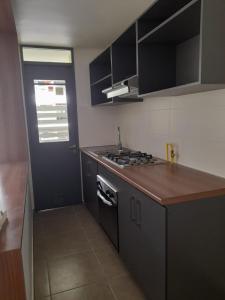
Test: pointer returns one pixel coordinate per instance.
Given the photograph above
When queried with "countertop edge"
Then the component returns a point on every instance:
(162, 201)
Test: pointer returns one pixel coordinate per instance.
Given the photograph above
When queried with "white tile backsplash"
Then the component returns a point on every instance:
(195, 123)
(158, 122)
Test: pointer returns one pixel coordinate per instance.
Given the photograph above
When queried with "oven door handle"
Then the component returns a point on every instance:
(106, 202)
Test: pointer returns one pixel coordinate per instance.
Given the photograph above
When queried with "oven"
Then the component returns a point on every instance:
(108, 209)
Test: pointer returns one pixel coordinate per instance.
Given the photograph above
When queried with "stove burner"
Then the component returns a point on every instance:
(131, 158)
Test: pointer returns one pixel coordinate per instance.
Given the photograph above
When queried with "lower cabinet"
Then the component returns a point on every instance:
(142, 225)
(142, 236)
(174, 252)
(89, 172)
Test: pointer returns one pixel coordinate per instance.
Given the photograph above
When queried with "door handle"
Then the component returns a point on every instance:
(88, 168)
(132, 209)
(73, 148)
(138, 205)
(106, 202)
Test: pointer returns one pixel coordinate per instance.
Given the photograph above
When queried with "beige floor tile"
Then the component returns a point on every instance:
(88, 223)
(111, 263)
(100, 243)
(41, 280)
(98, 240)
(62, 226)
(124, 288)
(83, 215)
(88, 292)
(65, 244)
(46, 217)
(81, 210)
(58, 223)
(39, 253)
(74, 271)
(36, 224)
(58, 244)
(80, 258)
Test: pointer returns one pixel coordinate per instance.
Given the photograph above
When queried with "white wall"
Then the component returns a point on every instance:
(96, 124)
(195, 123)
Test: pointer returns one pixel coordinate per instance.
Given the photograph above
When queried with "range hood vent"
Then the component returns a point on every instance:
(126, 91)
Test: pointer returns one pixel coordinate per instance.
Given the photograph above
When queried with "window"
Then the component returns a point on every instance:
(51, 107)
(50, 55)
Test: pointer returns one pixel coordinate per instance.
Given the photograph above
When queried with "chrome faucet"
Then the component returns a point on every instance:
(119, 145)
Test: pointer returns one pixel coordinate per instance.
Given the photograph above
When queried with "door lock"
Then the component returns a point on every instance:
(74, 148)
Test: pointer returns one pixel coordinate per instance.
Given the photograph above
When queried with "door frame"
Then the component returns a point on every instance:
(72, 64)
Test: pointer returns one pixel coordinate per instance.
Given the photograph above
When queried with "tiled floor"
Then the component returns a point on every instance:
(74, 260)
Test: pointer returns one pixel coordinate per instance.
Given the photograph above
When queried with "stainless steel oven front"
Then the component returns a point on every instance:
(108, 208)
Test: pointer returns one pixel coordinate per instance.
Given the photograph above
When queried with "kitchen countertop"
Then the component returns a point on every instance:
(13, 183)
(166, 183)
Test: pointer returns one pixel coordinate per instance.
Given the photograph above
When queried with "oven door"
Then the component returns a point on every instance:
(108, 216)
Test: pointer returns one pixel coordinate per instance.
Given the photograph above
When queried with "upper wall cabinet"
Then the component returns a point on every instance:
(184, 53)
(124, 62)
(101, 67)
(177, 47)
(100, 77)
(97, 96)
(113, 73)
(157, 14)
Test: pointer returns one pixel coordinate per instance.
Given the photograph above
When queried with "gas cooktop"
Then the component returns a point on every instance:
(128, 158)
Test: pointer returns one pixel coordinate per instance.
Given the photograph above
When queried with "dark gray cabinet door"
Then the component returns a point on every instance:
(142, 236)
(89, 172)
(129, 232)
(196, 247)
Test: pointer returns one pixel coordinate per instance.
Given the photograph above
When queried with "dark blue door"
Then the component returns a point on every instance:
(53, 134)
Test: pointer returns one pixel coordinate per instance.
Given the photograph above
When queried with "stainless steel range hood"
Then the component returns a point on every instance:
(126, 91)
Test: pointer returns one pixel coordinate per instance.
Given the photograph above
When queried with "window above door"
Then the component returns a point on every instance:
(46, 55)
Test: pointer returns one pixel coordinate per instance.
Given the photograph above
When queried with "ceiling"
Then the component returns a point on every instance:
(75, 23)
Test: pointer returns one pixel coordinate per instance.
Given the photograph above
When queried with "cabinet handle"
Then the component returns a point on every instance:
(132, 209)
(88, 169)
(138, 205)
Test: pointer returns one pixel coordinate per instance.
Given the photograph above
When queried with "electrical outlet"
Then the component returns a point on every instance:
(171, 155)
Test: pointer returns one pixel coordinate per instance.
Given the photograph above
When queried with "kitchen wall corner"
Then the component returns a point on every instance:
(96, 123)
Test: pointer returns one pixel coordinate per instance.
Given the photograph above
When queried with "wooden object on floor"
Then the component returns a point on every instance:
(13, 184)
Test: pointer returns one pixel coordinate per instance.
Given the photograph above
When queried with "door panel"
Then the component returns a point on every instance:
(151, 220)
(52, 128)
(129, 233)
(142, 224)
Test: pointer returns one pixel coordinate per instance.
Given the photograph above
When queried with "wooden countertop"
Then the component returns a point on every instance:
(13, 183)
(166, 183)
